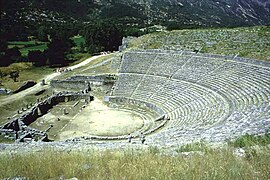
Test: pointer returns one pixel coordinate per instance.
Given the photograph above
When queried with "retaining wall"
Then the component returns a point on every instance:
(42, 107)
(121, 100)
(82, 82)
(186, 52)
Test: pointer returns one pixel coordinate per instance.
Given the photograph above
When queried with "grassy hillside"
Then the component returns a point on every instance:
(9, 110)
(149, 163)
(250, 42)
(26, 72)
(191, 161)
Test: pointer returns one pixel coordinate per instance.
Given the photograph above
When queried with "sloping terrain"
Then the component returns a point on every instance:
(185, 13)
(249, 42)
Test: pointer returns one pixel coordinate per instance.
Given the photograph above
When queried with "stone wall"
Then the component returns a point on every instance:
(125, 100)
(81, 82)
(39, 109)
(125, 43)
(68, 84)
(207, 55)
(26, 85)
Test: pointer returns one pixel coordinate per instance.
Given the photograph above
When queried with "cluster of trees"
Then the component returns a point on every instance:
(57, 51)
(114, 21)
(101, 33)
(107, 35)
(55, 55)
(102, 36)
(21, 19)
(8, 55)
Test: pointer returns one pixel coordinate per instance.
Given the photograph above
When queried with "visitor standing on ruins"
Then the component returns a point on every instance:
(142, 138)
(129, 138)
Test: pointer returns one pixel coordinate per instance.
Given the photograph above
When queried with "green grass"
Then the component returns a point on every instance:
(78, 40)
(81, 57)
(10, 109)
(25, 50)
(129, 164)
(198, 146)
(24, 43)
(3, 139)
(26, 46)
(26, 72)
(77, 57)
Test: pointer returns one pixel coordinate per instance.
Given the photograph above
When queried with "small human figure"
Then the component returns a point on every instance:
(65, 111)
(43, 82)
(16, 135)
(129, 138)
(142, 138)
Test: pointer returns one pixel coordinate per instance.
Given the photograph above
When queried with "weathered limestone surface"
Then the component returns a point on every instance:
(209, 97)
(81, 82)
(200, 96)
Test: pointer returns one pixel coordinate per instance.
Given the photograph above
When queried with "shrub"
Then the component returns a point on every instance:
(251, 140)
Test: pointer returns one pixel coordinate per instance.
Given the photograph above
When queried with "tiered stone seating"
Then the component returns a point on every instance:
(137, 62)
(244, 86)
(206, 96)
(116, 61)
(126, 84)
(197, 67)
(167, 64)
(147, 86)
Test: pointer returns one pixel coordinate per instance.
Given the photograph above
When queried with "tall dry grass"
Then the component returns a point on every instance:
(215, 164)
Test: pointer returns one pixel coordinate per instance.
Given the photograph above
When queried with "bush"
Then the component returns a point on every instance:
(251, 140)
(13, 54)
(5, 61)
(38, 58)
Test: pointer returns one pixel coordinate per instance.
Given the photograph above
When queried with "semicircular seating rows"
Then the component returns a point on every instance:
(206, 96)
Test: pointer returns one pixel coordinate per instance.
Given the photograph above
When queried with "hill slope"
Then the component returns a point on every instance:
(250, 42)
(181, 12)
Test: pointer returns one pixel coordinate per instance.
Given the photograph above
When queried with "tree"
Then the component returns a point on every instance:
(103, 36)
(134, 31)
(37, 57)
(3, 49)
(3, 46)
(82, 47)
(14, 54)
(5, 61)
(57, 50)
(14, 75)
(41, 34)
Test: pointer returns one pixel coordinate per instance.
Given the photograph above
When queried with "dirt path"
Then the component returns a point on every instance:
(38, 86)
